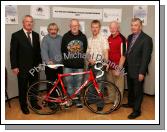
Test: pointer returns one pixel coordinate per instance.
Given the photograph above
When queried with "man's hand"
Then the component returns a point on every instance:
(92, 62)
(141, 77)
(116, 73)
(15, 71)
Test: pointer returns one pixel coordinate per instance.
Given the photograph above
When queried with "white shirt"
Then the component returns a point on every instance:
(97, 47)
(25, 31)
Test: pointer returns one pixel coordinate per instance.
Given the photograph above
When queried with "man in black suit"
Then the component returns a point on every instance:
(24, 55)
(137, 57)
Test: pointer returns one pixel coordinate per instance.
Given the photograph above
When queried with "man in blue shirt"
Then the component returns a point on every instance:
(51, 53)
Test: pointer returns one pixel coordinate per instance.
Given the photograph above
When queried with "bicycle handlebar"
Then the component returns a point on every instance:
(96, 66)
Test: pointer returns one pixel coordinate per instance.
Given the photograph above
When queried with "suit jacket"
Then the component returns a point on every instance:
(140, 55)
(22, 54)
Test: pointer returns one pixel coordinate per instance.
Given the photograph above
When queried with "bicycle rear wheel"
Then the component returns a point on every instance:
(110, 101)
(36, 98)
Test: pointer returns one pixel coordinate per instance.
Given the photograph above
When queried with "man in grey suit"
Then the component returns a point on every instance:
(137, 57)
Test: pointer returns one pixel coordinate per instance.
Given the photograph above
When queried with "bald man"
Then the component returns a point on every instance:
(73, 47)
(117, 44)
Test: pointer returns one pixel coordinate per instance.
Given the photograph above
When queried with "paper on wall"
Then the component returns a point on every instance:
(140, 12)
(112, 15)
(11, 16)
(105, 31)
(43, 32)
(82, 26)
(40, 11)
(79, 13)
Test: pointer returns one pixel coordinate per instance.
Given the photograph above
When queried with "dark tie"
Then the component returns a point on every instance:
(132, 43)
(29, 39)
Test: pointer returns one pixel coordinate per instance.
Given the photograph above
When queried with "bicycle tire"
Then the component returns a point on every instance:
(92, 99)
(39, 90)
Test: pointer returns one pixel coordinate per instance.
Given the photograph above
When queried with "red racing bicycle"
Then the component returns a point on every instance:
(94, 92)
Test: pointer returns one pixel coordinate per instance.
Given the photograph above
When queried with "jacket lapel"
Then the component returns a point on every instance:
(25, 38)
(136, 42)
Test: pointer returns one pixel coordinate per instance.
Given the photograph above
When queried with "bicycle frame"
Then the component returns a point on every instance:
(91, 78)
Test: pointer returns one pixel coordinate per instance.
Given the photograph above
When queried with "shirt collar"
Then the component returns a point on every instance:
(137, 34)
(98, 36)
(25, 31)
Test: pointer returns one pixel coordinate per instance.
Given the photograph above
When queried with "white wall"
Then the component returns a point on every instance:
(127, 12)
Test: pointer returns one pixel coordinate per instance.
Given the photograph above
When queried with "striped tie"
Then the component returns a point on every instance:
(132, 43)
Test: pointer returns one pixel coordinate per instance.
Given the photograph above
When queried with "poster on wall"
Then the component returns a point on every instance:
(112, 15)
(79, 13)
(105, 31)
(43, 32)
(40, 11)
(11, 16)
(82, 26)
(140, 12)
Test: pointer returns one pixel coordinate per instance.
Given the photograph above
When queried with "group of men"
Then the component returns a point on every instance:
(133, 53)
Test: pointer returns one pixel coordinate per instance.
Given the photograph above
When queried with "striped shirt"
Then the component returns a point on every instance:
(97, 47)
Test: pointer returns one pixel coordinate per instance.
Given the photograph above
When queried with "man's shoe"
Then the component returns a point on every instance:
(134, 115)
(79, 105)
(99, 108)
(127, 106)
(25, 111)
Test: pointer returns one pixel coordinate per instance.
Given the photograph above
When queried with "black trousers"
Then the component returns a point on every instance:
(52, 75)
(135, 93)
(24, 81)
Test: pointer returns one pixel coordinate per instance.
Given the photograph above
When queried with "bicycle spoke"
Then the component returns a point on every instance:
(109, 101)
(36, 95)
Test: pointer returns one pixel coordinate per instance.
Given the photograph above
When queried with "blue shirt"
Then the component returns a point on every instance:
(51, 49)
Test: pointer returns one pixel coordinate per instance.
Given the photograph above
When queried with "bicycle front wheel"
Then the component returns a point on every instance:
(36, 98)
(105, 105)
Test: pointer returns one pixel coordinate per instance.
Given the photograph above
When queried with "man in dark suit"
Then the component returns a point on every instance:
(138, 57)
(24, 55)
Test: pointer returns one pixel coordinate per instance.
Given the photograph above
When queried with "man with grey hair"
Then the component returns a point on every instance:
(138, 57)
(51, 54)
(74, 46)
(117, 43)
(51, 51)
(25, 55)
